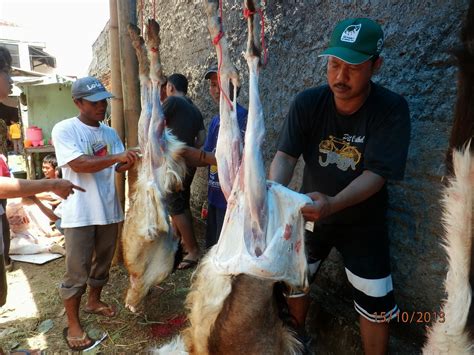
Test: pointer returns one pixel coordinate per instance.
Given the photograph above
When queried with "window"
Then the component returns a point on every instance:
(13, 48)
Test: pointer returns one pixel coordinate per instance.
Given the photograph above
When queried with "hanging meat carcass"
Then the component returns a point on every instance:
(235, 298)
(148, 242)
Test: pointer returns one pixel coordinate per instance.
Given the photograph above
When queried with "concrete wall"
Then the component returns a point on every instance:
(418, 65)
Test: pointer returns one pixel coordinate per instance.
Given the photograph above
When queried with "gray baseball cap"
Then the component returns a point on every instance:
(90, 89)
(212, 69)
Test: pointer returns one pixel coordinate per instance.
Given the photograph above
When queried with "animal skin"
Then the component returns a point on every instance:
(148, 242)
(453, 336)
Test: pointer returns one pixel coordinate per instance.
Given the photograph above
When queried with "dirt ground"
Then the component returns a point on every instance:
(33, 317)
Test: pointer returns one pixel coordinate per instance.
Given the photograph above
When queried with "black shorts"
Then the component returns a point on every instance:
(365, 250)
(177, 202)
(215, 220)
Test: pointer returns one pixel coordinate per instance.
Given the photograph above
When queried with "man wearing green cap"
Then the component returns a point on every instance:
(354, 136)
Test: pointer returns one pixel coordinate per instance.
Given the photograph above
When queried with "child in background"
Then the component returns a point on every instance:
(50, 167)
(15, 136)
(48, 203)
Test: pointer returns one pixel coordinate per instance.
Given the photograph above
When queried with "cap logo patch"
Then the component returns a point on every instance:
(93, 86)
(350, 33)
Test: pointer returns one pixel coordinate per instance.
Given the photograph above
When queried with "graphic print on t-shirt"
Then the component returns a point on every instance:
(99, 149)
(213, 177)
(339, 151)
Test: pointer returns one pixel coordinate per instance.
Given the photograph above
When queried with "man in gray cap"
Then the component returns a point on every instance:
(89, 153)
(354, 136)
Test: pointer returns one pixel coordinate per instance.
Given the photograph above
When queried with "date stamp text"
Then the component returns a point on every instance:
(409, 317)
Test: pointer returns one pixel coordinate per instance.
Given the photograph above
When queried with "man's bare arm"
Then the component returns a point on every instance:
(10, 188)
(360, 189)
(47, 211)
(282, 168)
(92, 164)
(198, 157)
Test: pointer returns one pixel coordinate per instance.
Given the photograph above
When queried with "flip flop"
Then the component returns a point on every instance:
(106, 311)
(187, 264)
(79, 347)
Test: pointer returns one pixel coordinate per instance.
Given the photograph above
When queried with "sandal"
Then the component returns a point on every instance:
(106, 311)
(187, 264)
(84, 336)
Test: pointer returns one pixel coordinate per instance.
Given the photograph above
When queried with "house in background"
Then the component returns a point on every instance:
(27, 54)
(40, 97)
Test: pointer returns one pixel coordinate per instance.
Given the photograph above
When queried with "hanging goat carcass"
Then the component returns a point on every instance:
(236, 295)
(148, 242)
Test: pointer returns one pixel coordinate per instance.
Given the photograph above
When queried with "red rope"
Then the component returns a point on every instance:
(216, 39)
(248, 13)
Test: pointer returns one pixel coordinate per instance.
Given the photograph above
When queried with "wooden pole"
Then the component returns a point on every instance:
(117, 109)
(126, 10)
(116, 81)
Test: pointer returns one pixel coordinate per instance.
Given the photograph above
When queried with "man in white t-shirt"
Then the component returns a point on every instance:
(89, 153)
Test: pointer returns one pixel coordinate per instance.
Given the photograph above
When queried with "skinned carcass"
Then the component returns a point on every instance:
(236, 296)
(148, 242)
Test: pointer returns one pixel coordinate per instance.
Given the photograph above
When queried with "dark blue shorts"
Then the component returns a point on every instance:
(215, 220)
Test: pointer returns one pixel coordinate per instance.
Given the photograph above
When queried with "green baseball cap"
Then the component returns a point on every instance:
(355, 40)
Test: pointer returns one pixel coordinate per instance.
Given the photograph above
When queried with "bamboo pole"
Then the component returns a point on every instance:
(116, 81)
(126, 10)
(117, 109)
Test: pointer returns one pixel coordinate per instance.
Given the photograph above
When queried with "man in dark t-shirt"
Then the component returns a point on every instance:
(353, 135)
(187, 124)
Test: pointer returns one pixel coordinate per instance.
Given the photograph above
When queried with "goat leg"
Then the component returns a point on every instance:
(228, 161)
(138, 44)
(254, 171)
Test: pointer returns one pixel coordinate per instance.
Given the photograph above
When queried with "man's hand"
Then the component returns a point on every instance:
(63, 188)
(318, 209)
(127, 159)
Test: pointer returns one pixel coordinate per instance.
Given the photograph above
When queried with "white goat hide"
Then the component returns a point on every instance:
(451, 336)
